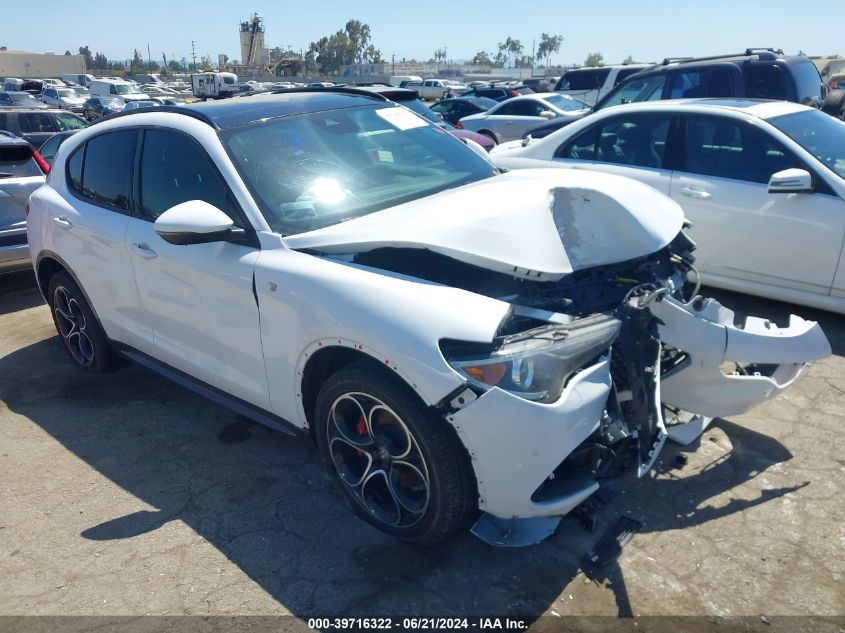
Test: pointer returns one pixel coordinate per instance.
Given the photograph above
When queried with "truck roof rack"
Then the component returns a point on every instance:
(762, 53)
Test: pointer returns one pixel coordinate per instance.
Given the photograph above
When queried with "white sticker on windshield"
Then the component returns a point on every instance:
(401, 118)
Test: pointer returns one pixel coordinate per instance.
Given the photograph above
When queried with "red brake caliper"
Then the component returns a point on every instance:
(361, 429)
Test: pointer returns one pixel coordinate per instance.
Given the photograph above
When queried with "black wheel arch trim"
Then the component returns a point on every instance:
(47, 254)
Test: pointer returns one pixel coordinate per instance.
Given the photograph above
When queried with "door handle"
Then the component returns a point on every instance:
(143, 249)
(63, 222)
(699, 194)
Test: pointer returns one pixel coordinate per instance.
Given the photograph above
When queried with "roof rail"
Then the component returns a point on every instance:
(187, 111)
(762, 53)
(341, 89)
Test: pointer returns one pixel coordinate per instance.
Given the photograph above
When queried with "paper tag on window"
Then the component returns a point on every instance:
(401, 118)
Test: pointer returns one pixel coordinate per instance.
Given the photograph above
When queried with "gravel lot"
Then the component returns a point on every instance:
(126, 494)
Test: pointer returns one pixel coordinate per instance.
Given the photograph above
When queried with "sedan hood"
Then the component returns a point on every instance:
(539, 224)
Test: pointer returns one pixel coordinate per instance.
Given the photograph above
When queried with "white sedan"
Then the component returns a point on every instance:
(512, 118)
(762, 182)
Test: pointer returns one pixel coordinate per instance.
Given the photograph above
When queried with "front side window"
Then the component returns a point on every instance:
(174, 169)
(524, 107)
(730, 149)
(107, 169)
(565, 103)
(315, 170)
(689, 84)
(764, 81)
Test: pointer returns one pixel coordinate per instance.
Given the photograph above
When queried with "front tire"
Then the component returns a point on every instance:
(400, 466)
(78, 328)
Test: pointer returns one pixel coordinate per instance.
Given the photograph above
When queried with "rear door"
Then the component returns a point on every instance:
(89, 229)
(633, 145)
(514, 118)
(791, 240)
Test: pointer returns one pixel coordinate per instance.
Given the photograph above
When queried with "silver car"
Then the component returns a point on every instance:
(20, 175)
(512, 118)
(64, 98)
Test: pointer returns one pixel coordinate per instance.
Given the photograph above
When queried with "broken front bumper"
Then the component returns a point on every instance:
(763, 359)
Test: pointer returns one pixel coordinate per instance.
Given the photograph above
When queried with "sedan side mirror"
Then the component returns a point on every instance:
(547, 114)
(791, 181)
(193, 222)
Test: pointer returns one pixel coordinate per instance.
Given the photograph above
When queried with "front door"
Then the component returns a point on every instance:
(198, 298)
(792, 240)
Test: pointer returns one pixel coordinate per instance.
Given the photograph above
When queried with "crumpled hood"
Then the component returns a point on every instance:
(540, 224)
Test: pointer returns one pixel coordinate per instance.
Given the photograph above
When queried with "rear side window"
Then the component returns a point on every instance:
(174, 170)
(74, 169)
(638, 140)
(4, 122)
(765, 81)
(16, 162)
(107, 168)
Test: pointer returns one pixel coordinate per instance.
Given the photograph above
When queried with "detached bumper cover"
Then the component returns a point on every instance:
(515, 444)
(773, 356)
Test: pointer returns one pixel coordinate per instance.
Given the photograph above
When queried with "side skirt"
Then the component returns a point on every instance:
(214, 394)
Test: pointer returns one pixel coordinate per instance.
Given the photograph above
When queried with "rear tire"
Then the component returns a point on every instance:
(400, 466)
(79, 330)
(834, 103)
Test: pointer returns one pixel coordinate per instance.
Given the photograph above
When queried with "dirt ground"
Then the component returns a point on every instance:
(126, 494)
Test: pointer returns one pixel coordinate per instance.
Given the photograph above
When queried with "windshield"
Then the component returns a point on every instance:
(420, 108)
(21, 97)
(315, 170)
(567, 104)
(67, 92)
(123, 89)
(820, 134)
(112, 102)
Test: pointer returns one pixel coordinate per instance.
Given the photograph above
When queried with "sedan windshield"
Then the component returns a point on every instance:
(127, 90)
(68, 93)
(565, 103)
(315, 170)
(820, 134)
(22, 97)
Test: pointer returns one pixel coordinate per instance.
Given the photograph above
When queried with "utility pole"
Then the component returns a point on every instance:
(149, 59)
(533, 42)
(393, 62)
(194, 53)
(164, 58)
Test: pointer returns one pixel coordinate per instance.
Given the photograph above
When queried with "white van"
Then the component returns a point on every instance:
(117, 88)
(79, 80)
(12, 84)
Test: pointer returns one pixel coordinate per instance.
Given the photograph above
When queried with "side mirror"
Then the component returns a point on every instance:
(193, 222)
(547, 114)
(791, 181)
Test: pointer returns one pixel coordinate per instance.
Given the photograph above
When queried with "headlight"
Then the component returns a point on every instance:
(535, 364)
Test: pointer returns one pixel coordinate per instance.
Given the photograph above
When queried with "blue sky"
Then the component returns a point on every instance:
(647, 29)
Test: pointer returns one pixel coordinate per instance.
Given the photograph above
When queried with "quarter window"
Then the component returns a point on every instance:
(727, 149)
(174, 170)
(74, 169)
(36, 122)
(107, 169)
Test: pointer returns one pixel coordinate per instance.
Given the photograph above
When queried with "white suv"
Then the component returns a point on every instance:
(459, 344)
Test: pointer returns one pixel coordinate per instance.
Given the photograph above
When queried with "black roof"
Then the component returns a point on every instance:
(227, 113)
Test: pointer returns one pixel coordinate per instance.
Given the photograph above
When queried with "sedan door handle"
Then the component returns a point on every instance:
(63, 222)
(143, 249)
(699, 194)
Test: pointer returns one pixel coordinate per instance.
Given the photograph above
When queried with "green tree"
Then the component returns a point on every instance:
(174, 66)
(594, 59)
(352, 45)
(523, 61)
(511, 49)
(67, 52)
(86, 53)
(481, 59)
(101, 62)
(628, 60)
(549, 44)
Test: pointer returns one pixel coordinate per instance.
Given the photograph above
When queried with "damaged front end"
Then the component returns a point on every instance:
(589, 375)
